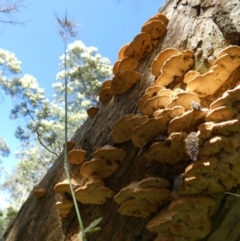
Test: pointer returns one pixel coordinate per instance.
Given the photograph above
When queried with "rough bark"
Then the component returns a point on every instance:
(216, 24)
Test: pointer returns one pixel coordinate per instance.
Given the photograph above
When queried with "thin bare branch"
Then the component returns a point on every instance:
(10, 7)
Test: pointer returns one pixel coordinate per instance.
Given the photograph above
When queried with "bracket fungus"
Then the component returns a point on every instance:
(140, 47)
(127, 63)
(171, 150)
(188, 218)
(161, 58)
(149, 93)
(225, 64)
(185, 100)
(39, 192)
(140, 199)
(148, 130)
(181, 62)
(64, 187)
(93, 192)
(123, 81)
(121, 51)
(105, 94)
(106, 161)
(159, 16)
(169, 113)
(188, 121)
(64, 207)
(229, 98)
(77, 156)
(122, 130)
(223, 128)
(92, 111)
(156, 28)
(155, 103)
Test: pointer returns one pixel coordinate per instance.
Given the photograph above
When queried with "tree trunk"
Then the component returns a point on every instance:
(204, 26)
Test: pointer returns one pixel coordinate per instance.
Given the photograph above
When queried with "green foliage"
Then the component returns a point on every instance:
(5, 217)
(93, 226)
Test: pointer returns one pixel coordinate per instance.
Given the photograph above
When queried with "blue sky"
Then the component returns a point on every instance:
(105, 24)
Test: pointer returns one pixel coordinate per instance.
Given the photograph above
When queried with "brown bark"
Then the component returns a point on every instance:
(216, 24)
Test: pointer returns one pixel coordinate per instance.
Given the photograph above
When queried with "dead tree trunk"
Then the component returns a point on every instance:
(203, 26)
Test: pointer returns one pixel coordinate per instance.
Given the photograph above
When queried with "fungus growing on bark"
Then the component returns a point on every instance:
(226, 63)
(136, 120)
(92, 111)
(64, 207)
(148, 130)
(105, 94)
(106, 161)
(181, 62)
(121, 51)
(188, 218)
(161, 58)
(140, 47)
(140, 199)
(122, 132)
(223, 128)
(191, 74)
(169, 113)
(93, 192)
(171, 150)
(184, 99)
(221, 113)
(159, 16)
(123, 81)
(188, 121)
(155, 103)
(156, 29)
(77, 156)
(39, 192)
(64, 187)
(149, 93)
(201, 177)
(127, 63)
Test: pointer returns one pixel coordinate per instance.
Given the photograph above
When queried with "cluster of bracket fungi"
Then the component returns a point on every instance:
(177, 115)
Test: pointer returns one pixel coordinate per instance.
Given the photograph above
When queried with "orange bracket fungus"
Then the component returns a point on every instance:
(171, 150)
(127, 63)
(94, 192)
(156, 28)
(92, 111)
(64, 207)
(106, 161)
(140, 47)
(140, 199)
(186, 218)
(123, 81)
(228, 60)
(161, 58)
(149, 93)
(122, 130)
(39, 192)
(77, 156)
(64, 187)
(105, 94)
(148, 130)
